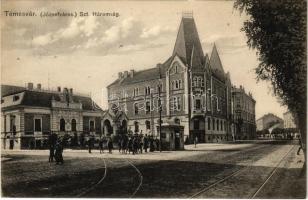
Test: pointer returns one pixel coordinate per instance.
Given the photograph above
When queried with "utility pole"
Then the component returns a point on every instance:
(160, 108)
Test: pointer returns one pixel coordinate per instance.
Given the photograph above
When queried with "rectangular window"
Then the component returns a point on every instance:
(198, 104)
(37, 125)
(178, 103)
(92, 127)
(147, 107)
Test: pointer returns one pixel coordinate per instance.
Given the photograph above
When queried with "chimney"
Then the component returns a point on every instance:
(30, 86)
(71, 91)
(39, 86)
(120, 75)
(59, 89)
(125, 74)
(131, 73)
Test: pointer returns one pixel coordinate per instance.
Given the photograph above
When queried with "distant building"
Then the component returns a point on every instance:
(194, 90)
(288, 120)
(244, 114)
(29, 115)
(269, 120)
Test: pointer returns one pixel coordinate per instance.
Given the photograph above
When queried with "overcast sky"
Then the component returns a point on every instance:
(86, 53)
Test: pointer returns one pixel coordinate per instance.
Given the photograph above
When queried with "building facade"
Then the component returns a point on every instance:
(269, 120)
(244, 115)
(189, 89)
(29, 115)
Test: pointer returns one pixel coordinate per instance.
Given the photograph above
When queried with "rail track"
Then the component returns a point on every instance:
(96, 184)
(140, 178)
(233, 174)
(92, 187)
(271, 174)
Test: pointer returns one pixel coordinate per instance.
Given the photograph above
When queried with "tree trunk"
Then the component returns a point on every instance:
(302, 124)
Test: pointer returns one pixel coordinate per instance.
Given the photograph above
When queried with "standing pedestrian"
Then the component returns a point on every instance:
(100, 144)
(300, 145)
(152, 148)
(52, 143)
(157, 144)
(119, 143)
(146, 143)
(58, 153)
(196, 141)
(90, 144)
(110, 144)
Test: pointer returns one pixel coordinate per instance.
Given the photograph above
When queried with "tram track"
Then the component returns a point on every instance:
(92, 187)
(271, 174)
(239, 171)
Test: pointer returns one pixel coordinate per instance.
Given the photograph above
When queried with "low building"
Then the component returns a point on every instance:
(244, 114)
(29, 115)
(267, 121)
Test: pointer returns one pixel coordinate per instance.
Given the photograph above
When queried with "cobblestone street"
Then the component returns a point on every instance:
(208, 171)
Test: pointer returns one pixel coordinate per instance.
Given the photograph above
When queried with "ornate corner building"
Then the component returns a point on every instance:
(192, 88)
(29, 115)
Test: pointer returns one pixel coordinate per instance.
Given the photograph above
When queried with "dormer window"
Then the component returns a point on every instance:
(15, 98)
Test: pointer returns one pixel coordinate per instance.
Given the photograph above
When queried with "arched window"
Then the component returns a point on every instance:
(202, 82)
(177, 121)
(136, 127)
(73, 124)
(180, 84)
(148, 125)
(217, 125)
(208, 123)
(136, 109)
(213, 124)
(225, 125)
(172, 85)
(62, 124)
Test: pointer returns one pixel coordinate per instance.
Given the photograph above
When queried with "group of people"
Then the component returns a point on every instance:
(55, 149)
(136, 144)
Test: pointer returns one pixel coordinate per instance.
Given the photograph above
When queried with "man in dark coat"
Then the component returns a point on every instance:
(58, 153)
(100, 144)
(110, 145)
(146, 143)
(52, 143)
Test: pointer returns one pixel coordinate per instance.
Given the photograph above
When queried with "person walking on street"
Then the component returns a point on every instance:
(110, 145)
(90, 144)
(52, 144)
(58, 153)
(300, 145)
(100, 144)
(157, 144)
(145, 143)
(196, 141)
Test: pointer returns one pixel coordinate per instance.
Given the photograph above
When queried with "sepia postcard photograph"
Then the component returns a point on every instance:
(154, 99)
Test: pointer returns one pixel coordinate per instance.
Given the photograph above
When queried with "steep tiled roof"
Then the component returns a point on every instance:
(43, 99)
(188, 44)
(216, 65)
(10, 89)
(147, 74)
